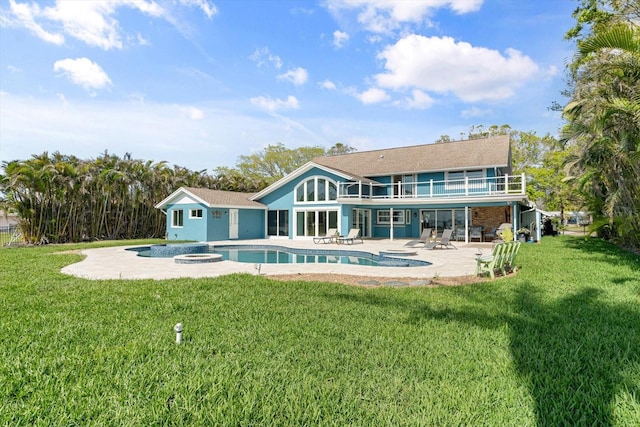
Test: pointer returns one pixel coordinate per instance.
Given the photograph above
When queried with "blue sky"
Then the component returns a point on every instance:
(199, 83)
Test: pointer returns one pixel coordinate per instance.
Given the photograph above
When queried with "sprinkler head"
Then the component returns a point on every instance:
(178, 329)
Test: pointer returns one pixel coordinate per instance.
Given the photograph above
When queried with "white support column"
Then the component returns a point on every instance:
(515, 212)
(391, 223)
(466, 224)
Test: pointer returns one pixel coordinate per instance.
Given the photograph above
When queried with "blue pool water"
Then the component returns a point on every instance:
(270, 254)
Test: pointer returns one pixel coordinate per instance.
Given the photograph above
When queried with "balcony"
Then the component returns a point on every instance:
(495, 187)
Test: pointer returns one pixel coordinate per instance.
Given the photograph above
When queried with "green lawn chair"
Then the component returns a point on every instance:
(510, 258)
(489, 263)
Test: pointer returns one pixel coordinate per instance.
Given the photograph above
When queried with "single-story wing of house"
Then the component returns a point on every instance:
(389, 193)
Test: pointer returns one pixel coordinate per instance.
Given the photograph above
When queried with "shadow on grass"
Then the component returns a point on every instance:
(573, 353)
(604, 251)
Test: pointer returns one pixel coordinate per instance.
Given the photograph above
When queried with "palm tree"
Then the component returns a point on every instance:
(604, 123)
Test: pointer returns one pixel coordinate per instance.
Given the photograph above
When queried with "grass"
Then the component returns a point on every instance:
(557, 344)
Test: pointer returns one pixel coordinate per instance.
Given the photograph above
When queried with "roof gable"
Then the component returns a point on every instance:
(296, 174)
(211, 198)
(467, 154)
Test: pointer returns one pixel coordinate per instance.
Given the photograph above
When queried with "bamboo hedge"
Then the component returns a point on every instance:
(61, 198)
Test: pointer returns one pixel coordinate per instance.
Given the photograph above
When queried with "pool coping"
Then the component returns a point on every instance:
(120, 263)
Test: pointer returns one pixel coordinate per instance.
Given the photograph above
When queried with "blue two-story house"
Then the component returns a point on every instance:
(389, 193)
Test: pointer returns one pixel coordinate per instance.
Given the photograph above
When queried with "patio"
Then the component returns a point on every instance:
(119, 263)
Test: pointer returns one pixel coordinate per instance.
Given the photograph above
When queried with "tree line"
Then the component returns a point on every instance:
(60, 198)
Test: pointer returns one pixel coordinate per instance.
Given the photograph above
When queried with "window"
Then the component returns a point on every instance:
(195, 213)
(404, 185)
(455, 176)
(456, 180)
(384, 217)
(316, 190)
(313, 223)
(278, 223)
(177, 218)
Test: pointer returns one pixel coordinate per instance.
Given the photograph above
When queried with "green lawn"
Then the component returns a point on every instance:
(558, 344)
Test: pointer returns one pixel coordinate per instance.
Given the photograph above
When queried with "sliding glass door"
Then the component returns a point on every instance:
(315, 223)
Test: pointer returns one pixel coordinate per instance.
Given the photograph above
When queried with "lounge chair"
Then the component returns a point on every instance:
(424, 237)
(443, 242)
(332, 233)
(353, 235)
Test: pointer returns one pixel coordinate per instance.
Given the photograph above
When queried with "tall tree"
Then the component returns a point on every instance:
(603, 115)
(256, 171)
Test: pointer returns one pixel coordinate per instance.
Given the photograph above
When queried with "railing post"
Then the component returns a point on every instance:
(523, 188)
(506, 183)
(370, 190)
(466, 185)
(360, 189)
(431, 188)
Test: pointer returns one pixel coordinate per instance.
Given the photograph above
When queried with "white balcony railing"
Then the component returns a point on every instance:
(452, 188)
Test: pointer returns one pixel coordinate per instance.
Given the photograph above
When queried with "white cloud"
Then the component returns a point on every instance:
(193, 113)
(419, 100)
(83, 72)
(340, 38)
(136, 98)
(207, 7)
(13, 69)
(443, 66)
(475, 112)
(141, 41)
(62, 98)
(327, 84)
(264, 56)
(270, 104)
(297, 76)
(373, 96)
(92, 22)
(384, 16)
(24, 16)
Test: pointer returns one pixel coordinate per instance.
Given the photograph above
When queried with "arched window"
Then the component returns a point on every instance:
(317, 189)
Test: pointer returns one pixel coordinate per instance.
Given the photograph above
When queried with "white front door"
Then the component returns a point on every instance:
(233, 223)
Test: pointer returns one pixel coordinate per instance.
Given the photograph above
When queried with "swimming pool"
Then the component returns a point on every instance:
(271, 254)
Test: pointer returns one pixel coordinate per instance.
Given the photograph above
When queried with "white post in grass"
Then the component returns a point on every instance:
(178, 330)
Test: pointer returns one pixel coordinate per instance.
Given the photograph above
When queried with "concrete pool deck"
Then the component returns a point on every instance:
(119, 263)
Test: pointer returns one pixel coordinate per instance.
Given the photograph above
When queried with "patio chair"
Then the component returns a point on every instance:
(424, 237)
(353, 235)
(476, 233)
(490, 263)
(490, 235)
(460, 235)
(332, 233)
(443, 242)
(510, 257)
